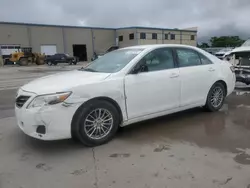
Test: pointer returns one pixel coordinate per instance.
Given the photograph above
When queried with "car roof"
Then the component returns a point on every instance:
(155, 46)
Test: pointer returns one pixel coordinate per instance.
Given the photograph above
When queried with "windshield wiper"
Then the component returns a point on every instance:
(88, 69)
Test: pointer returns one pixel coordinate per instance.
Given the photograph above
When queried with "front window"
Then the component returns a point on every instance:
(156, 60)
(113, 61)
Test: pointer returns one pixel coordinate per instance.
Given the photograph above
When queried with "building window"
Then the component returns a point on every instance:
(172, 36)
(120, 38)
(192, 37)
(154, 35)
(142, 35)
(131, 36)
(166, 36)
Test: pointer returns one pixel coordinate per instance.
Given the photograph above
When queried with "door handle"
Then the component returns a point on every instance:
(174, 75)
(211, 69)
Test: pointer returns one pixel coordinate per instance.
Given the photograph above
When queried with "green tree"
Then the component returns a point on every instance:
(226, 41)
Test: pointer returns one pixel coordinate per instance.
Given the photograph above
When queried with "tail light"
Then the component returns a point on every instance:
(232, 69)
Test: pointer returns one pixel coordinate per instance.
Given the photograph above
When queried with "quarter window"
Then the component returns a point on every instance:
(159, 59)
(205, 60)
(187, 58)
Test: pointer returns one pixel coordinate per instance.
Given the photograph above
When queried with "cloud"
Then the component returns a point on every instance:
(213, 17)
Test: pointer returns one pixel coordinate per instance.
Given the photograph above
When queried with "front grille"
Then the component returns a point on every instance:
(21, 100)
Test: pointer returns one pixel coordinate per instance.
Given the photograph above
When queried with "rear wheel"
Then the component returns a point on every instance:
(70, 62)
(216, 97)
(49, 63)
(97, 123)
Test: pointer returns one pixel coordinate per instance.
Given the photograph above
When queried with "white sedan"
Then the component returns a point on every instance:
(123, 87)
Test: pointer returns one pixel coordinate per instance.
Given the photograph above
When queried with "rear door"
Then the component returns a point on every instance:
(197, 75)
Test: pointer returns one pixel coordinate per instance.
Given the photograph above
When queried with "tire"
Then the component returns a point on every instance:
(84, 125)
(70, 62)
(49, 63)
(216, 104)
(23, 61)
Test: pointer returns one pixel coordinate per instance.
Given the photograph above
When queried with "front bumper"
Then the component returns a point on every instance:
(242, 75)
(245, 78)
(55, 118)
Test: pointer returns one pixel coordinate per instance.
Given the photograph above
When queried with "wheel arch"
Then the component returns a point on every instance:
(101, 98)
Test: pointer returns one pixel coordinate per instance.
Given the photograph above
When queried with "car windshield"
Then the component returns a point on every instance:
(113, 61)
(246, 43)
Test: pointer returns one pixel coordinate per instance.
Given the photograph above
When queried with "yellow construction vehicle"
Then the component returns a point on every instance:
(25, 56)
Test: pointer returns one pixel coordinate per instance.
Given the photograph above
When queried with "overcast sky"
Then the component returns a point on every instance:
(212, 17)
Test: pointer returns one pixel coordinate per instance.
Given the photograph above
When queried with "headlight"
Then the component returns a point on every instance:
(50, 99)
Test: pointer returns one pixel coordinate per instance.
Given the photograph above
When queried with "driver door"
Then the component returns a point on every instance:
(155, 87)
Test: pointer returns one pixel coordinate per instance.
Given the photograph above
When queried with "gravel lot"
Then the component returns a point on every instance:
(192, 149)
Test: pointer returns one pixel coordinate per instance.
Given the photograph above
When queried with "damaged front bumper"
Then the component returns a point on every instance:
(51, 122)
(242, 74)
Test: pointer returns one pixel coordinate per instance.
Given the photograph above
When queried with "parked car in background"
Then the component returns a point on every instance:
(96, 56)
(240, 58)
(221, 54)
(123, 87)
(61, 58)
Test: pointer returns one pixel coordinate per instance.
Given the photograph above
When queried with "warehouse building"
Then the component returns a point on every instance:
(84, 41)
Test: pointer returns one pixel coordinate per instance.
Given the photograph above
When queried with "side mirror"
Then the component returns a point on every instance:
(141, 68)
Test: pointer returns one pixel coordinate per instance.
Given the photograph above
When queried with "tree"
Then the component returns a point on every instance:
(203, 45)
(226, 41)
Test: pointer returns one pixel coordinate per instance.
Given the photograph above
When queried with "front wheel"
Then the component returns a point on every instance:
(23, 61)
(216, 97)
(49, 63)
(97, 123)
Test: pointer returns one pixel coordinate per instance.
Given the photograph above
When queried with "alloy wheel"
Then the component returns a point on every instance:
(217, 97)
(98, 123)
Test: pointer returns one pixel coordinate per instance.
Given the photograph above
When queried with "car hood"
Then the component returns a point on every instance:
(241, 49)
(63, 81)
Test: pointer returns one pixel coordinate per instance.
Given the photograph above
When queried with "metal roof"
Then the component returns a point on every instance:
(51, 25)
(89, 27)
(155, 28)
